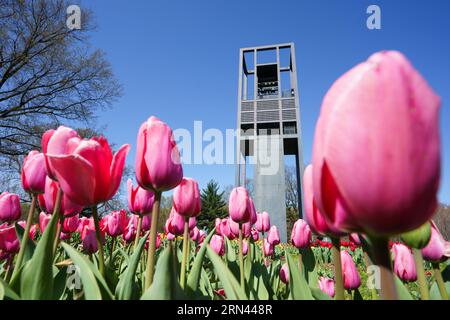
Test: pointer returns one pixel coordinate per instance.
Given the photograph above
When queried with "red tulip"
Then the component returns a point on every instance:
(262, 222)
(48, 199)
(116, 222)
(70, 224)
(44, 219)
(65, 236)
(8, 239)
(9, 207)
(313, 216)
(58, 142)
(350, 274)
(437, 249)
(158, 165)
(327, 286)
(376, 153)
(34, 172)
(140, 201)
(301, 234)
(239, 205)
(90, 174)
(273, 236)
(404, 265)
(186, 198)
(284, 273)
(217, 243)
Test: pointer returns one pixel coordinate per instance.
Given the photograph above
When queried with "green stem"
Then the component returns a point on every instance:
(421, 280)
(383, 261)
(185, 252)
(101, 258)
(373, 290)
(300, 260)
(339, 281)
(152, 245)
(440, 281)
(23, 243)
(241, 258)
(58, 234)
(111, 252)
(138, 232)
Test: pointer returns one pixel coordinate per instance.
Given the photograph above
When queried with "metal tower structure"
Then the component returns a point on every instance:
(270, 128)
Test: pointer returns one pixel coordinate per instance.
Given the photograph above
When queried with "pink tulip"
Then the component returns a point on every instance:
(146, 223)
(350, 273)
(201, 236)
(239, 205)
(194, 234)
(244, 247)
(404, 265)
(217, 224)
(140, 201)
(90, 174)
(58, 142)
(192, 222)
(65, 236)
(129, 234)
(255, 234)
(9, 207)
(253, 216)
(33, 229)
(313, 216)
(34, 172)
(226, 229)
(234, 227)
(301, 234)
(170, 236)
(437, 249)
(44, 219)
(376, 149)
(89, 240)
(48, 199)
(284, 273)
(217, 244)
(267, 248)
(186, 198)
(157, 243)
(70, 224)
(327, 286)
(262, 222)
(175, 223)
(158, 165)
(116, 222)
(273, 236)
(83, 222)
(8, 239)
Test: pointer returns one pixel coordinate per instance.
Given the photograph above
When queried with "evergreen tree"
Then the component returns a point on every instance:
(213, 206)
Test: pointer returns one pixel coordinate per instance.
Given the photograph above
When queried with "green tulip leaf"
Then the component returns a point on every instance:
(319, 294)
(6, 293)
(299, 287)
(402, 291)
(29, 250)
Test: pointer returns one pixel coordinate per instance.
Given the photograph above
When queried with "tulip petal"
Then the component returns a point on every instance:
(116, 169)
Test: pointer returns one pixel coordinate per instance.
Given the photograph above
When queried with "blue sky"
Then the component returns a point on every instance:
(178, 60)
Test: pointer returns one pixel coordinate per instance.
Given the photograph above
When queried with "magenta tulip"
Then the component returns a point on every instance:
(404, 265)
(116, 222)
(194, 234)
(140, 201)
(301, 234)
(244, 247)
(201, 236)
(437, 249)
(175, 223)
(253, 216)
(90, 174)
(267, 248)
(284, 273)
(48, 199)
(350, 273)
(146, 223)
(89, 240)
(327, 286)
(129, 234)
(255, 234)
(376, 149)
(186, 198)
(70, 224)
(158, 165)
(8, 239)
(170, 236)
(217, 225)
(58, 142)
(354, 237)
(9, 207)
(273, 237)
(234, 227)
(239, 205)
(225, 228)
(44, 219)
(262, 222)
(34, 172)
(33, 229)
(217, 244)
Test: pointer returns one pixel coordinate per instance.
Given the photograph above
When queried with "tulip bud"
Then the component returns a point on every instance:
(44, 219)
(89, 241)
(284, 273)
(8, 239)
(217, 244)
(327, 286)
(404, 265)
(239, 205)
(267, 248)
(217, 224)
(255, 234)
(437, 249)
(9, 207)
(146, 223)
(116, 222)
(175, 223)
(186, 198)
(140, 201)
(419, 237)
(350, 273)
(262, 222)
(301, 234)
(273, 236)
(34, 172)
(70, 224)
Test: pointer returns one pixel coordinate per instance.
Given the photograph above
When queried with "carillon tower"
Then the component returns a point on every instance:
(269, 119)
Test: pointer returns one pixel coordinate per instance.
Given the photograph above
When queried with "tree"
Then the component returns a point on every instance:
(213, 206)
(48, 75)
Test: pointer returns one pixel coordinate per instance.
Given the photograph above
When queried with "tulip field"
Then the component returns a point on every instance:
(367, 232)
